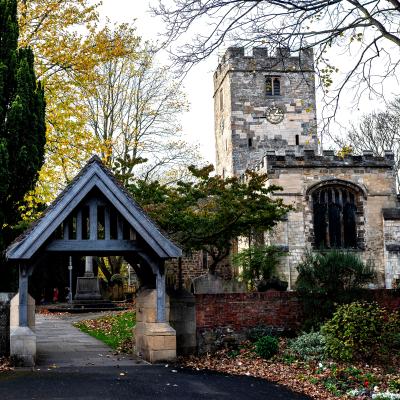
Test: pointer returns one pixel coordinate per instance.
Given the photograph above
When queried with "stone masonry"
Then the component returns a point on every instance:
(358, 191)
(242, 134)
(299, 175)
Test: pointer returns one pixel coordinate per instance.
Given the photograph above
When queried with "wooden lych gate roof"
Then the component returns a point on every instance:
(93, 215)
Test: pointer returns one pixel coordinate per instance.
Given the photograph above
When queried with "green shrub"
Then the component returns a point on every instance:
(256, 333)
(329, 278)
(331, 272)
(308, 346)
(267, 346)
(257, 263)
(117, 279)
(359, 330)
(394, 385)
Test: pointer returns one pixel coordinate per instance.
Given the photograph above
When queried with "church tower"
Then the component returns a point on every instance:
(262, 103)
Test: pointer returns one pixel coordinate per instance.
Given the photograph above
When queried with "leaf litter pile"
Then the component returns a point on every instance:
(319, 380)
(5, 364)
(116, 330)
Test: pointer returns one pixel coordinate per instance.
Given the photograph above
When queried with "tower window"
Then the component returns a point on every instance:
(297, 140)
(250, 142)
(221, 100)
(273, 86)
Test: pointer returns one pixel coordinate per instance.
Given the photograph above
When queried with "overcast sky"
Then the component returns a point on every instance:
(198, 123)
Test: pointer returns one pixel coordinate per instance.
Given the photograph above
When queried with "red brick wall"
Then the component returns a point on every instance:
(243, 310)
(389, 299)
(277, 309)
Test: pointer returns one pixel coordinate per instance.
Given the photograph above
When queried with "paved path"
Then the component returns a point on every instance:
(62, 345)
(73, 365)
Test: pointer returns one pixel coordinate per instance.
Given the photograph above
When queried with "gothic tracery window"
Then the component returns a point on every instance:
(335, 224)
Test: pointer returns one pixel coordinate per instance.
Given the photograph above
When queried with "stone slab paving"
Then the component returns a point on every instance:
(60, 344)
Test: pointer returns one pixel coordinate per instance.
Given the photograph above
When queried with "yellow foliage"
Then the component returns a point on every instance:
(68, 46)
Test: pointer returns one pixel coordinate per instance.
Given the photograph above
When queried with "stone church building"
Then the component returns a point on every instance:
(265, 119)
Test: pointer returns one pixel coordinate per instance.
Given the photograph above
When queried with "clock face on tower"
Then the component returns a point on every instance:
(274, 114)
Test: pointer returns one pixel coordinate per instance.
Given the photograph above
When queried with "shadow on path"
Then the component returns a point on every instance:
(141, 382)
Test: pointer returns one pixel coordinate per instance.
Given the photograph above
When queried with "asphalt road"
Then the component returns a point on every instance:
(135, 382)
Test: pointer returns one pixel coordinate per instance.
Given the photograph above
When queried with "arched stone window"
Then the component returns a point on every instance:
(336, 207)
(273, 86)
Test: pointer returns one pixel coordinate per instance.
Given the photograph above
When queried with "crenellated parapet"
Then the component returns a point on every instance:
(311, 159)
(281, 60)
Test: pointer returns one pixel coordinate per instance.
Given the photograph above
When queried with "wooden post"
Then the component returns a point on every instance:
(120, 228)
(79, 225)
(23, 295)
(93, 219)
(160, 285)
(107, 229)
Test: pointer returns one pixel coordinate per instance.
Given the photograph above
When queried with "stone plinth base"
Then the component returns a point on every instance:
(14, 312)
(156, 342)
(23, 346)
(88, 288)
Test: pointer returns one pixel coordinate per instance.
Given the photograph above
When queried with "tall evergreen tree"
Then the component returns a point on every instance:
(22, 122)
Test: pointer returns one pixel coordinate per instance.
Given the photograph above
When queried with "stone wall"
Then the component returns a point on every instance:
(5, 299)
(298, 174)
(240, 99)
(392, 247)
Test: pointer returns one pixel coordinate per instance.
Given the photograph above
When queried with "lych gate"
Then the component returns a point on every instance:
(96, 216)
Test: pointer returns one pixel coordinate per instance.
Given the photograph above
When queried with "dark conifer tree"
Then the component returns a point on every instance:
(22, 123)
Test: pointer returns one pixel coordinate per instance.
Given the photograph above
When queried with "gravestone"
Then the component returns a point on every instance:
(210, 283)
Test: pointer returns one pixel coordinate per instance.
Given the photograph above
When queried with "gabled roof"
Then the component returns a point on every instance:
(93, 175)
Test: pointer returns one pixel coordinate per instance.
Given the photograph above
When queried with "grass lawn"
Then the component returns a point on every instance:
(115, 329)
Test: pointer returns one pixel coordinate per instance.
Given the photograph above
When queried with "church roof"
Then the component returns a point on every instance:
(94, 175)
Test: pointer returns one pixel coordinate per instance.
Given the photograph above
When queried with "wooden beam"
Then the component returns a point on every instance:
(79, 225)
(120, 228)
(107, 225)
(93, 219)
(160, 286)
(23, 296)
(94, 247)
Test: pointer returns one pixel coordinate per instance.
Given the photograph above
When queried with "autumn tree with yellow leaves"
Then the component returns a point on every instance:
(81, 64)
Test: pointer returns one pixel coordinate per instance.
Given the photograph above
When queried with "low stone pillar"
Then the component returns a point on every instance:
(5, 299)
(23, 346)
(22, 338)
(183, 320)
(14, 312)
(154, 341)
